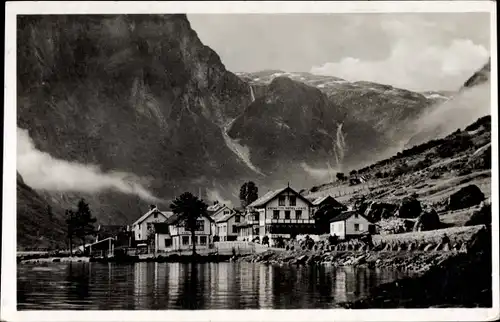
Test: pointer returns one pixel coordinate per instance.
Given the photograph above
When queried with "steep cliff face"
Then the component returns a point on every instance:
(291, 123)
(129, 93)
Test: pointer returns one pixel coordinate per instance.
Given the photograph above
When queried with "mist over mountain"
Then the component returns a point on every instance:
(471, 101)
(126, 110)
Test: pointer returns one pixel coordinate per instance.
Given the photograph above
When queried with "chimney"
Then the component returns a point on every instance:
(151, 207)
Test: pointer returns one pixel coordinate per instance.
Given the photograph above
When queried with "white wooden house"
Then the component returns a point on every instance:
(171, 235)
(349, 224)
(142, 225)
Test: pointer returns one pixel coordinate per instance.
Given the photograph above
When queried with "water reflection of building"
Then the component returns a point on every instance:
(174, 277)
(140, 282)
(265, 287)
(340, 293)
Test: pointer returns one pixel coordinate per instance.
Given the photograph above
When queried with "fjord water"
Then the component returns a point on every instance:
(160, 286)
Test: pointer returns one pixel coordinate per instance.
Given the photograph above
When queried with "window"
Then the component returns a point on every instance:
(293, 201)
(226, 212)
(281, 201)
(256, 216)
(203, 240)
(168, 242)
(356, 215)
(237, 218)
(276, 214)
(287, 214)
(155, 215)
(298, 214)
(200, 225)
(235, 229)
(256, 231)
(185, 240)
(356, 227)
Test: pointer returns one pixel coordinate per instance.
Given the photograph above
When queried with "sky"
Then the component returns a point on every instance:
(416, 51)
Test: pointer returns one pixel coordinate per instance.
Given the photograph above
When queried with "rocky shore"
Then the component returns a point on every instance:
(443, 276)
(411, 251)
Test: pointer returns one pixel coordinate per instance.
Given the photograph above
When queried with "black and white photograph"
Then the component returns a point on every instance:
(250, 157)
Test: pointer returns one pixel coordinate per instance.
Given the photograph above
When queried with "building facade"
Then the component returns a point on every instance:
(172, 234)
(144, 224)
(350, 224)
(228, 225)
(280, 213)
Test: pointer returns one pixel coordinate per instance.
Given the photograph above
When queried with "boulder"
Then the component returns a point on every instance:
(378, 210)
(428, 220)
(410, 207)
(466, 197)
(481, 216)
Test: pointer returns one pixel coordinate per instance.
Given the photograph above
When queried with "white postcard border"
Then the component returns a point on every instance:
(9, 287)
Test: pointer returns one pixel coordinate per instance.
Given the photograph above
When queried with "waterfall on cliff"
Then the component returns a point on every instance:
(339, 147)
(252, 95)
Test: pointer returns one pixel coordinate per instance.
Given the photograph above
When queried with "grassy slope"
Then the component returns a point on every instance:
(433, 180)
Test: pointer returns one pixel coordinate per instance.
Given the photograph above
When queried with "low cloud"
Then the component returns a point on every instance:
(414, 66)
(456, 113)
(42, 171)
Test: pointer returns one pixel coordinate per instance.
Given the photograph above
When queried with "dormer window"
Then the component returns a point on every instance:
(281, 201)
(293, 201)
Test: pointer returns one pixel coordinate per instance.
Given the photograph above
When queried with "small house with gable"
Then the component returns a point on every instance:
(350, 224)
(144, 224)
(227, 225)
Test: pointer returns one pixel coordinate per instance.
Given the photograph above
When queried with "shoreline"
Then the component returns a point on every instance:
(440, 277)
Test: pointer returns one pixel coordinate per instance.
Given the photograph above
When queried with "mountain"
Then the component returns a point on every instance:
(36, 227)
(301, 118)
(133, 93)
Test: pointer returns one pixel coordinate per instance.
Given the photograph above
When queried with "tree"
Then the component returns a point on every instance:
(71, 224)
(190, 208)
(248, 193)
(340, 176)
(84, 222)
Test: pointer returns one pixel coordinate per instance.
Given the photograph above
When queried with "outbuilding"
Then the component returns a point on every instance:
(350, 224)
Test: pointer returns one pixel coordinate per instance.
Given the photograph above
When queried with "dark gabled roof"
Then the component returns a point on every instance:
(166, 214)
(345, 215)
(262, 201)
(177, 217)
(161, 228)
(320, 200)
(227, 216)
